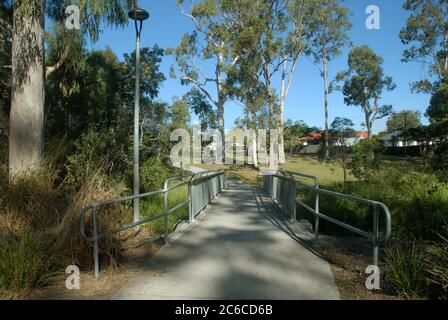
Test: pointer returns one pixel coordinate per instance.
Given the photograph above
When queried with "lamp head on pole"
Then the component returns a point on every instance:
(138, 14)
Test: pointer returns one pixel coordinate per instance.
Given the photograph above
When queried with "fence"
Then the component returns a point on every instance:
(282, 188)
(202, 189)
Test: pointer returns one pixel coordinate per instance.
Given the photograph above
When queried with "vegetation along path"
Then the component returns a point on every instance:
(240, 248)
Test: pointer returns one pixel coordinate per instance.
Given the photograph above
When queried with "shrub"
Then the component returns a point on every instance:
(366, 159)
(26, 262)
(153, 173)
(437, 264)
(405, 270)
(93, 151)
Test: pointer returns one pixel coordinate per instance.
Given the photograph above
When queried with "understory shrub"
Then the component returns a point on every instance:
(437, 265)
(366, 158)
(406, 270)
(153, 174)
(26, 262)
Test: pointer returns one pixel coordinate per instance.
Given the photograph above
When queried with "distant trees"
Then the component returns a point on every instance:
(403, 120)
(364, 83)
(294, 130)
(438, 116)
(426, 35)
(341, 130)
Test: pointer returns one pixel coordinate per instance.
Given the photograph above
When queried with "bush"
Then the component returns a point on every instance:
(39, 232)
(437, 264)
(94, 151)
(405, 270)
(153, 173)
(366, 159)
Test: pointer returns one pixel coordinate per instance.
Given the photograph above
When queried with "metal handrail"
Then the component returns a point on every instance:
(206, 175)
(374, 235)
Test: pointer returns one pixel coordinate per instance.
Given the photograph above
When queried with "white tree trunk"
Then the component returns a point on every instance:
(27, 99)
(327, 144)
(281, 144)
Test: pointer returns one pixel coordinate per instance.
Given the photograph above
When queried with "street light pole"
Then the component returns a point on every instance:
(138, 15)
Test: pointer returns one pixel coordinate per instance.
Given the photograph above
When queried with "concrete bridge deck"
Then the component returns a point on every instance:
(240, 248)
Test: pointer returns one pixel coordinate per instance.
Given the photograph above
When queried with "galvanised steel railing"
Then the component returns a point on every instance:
(202, 189)
(282, 188)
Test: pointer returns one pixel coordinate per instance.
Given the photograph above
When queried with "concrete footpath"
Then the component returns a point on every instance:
(240, 248)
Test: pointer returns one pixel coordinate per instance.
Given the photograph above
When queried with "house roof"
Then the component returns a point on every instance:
(361, 134)
(315, 136)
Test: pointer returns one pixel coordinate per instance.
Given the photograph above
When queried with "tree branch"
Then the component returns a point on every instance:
(51, 69)
(200, 87)
(196, 23)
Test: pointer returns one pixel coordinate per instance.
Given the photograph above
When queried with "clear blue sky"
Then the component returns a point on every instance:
(305, 101)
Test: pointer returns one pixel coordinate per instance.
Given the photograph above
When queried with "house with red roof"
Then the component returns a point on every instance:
(316, 138)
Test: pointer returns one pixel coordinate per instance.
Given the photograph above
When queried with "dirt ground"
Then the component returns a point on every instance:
(348, 260)
(111, 279)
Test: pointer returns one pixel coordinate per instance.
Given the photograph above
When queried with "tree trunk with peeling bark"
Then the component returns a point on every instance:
(27, 100)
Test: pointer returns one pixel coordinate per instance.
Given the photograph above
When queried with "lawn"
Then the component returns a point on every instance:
(327, 173)
(331, 172)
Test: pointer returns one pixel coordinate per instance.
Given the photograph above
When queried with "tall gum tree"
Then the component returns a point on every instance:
(363, 84)
(328, 35)
(210, 42)
(279, 33)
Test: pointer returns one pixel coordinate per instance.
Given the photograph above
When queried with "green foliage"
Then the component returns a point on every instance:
(364, 83)
(329, 23)
(94, 14)
(95, 104)
(93, 151)
(25, 262)
(180, 114)
(366, 160)
(151, 78)
(202, 108)
(5, 72)
(153, 173)
(425, 35)
(293, 131)
(406, 270)
(437, 264)
(403, 120)
(340, 149)
(418, 202)
(438, 129)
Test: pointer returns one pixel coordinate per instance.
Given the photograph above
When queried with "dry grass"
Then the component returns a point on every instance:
(244, 173)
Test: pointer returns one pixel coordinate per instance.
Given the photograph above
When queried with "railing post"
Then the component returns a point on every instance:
(166, 212)
(293, 199)
(96, 260)
(375, 234)
(316, 216)
(190, 206)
